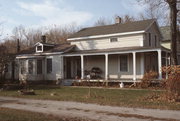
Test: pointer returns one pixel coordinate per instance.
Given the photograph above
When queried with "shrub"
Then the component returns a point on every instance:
(148, 78)
(173, 82)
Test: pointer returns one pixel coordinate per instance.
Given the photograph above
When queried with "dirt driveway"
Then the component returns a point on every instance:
(89, 111)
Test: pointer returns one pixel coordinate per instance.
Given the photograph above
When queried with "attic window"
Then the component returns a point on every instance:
(39, 48)
(113, 39)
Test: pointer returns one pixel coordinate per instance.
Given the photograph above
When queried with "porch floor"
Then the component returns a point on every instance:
(68, 82)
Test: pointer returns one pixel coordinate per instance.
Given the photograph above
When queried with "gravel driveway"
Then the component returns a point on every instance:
(89, 111)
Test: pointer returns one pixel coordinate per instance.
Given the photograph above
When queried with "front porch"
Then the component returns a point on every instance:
(116, 66)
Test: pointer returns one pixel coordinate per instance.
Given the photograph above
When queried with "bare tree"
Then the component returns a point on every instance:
(172, 6)
(105, 21)
(127, 18)
(155, 9)
(58, 34)
(173, 25)
(102, 21)
(5, 59)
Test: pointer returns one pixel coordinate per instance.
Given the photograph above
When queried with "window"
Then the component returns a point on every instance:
(39, 66)
(124, 63)
(30, 66)
(39, 48)
(155, 43)
(113, 39)
(6, 68)
(149, 39)
(49, 65)
(23, 66)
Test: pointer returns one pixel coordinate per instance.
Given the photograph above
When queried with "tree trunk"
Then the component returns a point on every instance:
(173, 22)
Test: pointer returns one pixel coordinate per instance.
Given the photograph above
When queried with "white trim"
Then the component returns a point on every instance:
(134, 66)
(107, 35)
(159, 64)
(43, 44)
(82, 67)
(25, 57)
(37, 54)
(113, 53)
(39, 51)
(106, 66)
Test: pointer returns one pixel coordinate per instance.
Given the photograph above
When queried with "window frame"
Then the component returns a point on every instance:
(23, 69)
(6, 68)
(31, 60)
(149, 37)
(112, 41)
(119, 62)
(42, 48)
(47, 69)
(37, 67)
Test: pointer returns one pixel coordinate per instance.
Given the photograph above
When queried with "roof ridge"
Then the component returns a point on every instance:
(114, 28)
(116, 24)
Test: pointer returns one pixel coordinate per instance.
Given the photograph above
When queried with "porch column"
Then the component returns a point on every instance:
(159, 64)
(106, 66)
(82, 67)
(134, 66)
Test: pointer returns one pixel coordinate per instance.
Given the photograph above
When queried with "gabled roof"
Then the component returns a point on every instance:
(44, 43)
(114, 28)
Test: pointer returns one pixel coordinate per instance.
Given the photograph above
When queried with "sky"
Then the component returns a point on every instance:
(38, 13)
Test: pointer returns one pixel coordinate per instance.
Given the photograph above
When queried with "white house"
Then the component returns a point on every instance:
(123, 52)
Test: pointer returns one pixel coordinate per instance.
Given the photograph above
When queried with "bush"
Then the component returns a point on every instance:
(148, 78)
(173, 82)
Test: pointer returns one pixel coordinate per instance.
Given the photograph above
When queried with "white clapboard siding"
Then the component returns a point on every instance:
(104, 43)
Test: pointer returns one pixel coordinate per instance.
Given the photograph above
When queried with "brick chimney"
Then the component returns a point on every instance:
(43, 38)
(118, 20)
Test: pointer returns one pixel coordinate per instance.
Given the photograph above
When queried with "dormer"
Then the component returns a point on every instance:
(43, 46)
(39, 47)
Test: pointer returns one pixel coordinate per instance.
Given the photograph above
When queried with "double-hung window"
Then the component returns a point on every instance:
(23, 66)
(39, 66)
(30, 66)
(49, 65)
(113, 39)
(123, 63)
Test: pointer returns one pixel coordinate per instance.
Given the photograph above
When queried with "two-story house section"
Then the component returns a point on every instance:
(124, 52)
(120, 52)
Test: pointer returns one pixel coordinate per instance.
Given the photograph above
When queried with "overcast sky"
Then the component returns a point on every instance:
(36, 13)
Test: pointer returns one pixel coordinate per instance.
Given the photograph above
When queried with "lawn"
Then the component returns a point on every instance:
(18, 115)
(102, 96)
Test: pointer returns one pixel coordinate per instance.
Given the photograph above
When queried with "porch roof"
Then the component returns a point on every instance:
(57, 48)
(114, 51)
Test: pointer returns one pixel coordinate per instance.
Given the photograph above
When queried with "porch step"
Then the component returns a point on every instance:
(67, 82)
